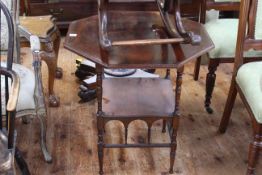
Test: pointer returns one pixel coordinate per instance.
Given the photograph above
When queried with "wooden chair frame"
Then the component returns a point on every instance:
(214, 62)
(176, 33)
(245, 42)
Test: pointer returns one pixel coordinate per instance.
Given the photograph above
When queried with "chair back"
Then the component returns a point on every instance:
(249, 30)
(13, 7)
(218, 5)
(7, 29)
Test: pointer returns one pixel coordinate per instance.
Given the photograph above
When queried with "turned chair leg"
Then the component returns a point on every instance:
(167, 76)
(100, 144)
(100, 153)
(46, 154)
(210, 82)
(228, 107)
(254, 149)
(175, 125)
(197, 68)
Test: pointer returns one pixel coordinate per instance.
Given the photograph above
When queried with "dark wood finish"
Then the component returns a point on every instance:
(62, 10)
(45, 28)
(149, 56)
(210, 83)
(222, 6)
(173, 27)
(246, 23)
(125, 99)
(141, 97)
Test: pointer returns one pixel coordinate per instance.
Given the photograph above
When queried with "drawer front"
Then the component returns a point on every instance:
(64, 11)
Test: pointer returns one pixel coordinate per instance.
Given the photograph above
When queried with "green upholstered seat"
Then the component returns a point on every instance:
(223, 33)
(249, 79)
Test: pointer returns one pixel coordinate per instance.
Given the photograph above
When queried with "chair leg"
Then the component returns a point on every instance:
(167, 76)
(253, 155)
(26, 119)
(100, 144)
(228, 107)
(175, 125)
(59, 70)
(50, 57)
(46, 154)
(164, 126)
(197, 68)
(210, 82)
(21, 162)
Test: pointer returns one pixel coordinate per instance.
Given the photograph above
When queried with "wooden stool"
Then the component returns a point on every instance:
(49, 35)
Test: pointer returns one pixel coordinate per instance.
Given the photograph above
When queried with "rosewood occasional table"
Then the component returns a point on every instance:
(49, 35)
(129, 99)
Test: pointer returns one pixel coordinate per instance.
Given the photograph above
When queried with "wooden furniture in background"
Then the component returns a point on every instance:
(129, 99)
(223, 33)
(49, 35)
(62, 9)
(247, 78)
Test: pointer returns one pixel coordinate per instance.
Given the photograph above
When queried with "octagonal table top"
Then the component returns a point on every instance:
(83, 39)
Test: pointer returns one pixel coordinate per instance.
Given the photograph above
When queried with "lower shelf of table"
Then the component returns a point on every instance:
(143, 97)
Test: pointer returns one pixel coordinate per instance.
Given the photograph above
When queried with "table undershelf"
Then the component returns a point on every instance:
(138, 97)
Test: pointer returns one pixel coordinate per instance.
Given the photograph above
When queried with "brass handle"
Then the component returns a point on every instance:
(56, 12)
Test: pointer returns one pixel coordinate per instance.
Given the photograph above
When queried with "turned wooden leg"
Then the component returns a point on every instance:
(228, 108)
(175, 125)
(210, 82)
(59, 70)
(49, 57)
(254, 149)
(164, 121)
(100, 123)
(178, 89)
(175, 120)
(197, 68)
(100, 147)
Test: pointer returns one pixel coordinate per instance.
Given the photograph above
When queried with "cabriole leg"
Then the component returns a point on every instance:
(49, 56)
(46, 154)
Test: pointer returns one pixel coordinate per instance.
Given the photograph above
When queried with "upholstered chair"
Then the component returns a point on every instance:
(223, 32)
(10, 86)
(247, 78)
(31, 100)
